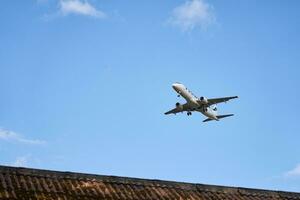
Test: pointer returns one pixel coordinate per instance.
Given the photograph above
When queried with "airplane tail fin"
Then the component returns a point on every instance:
(215, 109)
(219, 117)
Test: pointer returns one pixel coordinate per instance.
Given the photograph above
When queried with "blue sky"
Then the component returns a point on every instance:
(85, 84)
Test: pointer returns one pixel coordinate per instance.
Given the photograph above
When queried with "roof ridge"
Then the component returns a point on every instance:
(147, 182)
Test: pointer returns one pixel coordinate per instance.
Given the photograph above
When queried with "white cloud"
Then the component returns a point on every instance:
(294, 172)
(192, 14)
(79, 7)
(12, 136)
(21, 161)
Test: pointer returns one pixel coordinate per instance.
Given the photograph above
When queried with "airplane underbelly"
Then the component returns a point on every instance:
(193, 103)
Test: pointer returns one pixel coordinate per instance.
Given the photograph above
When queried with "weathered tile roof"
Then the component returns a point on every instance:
(25, 183)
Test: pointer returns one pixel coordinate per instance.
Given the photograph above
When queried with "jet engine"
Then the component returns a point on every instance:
(179, 107)
(203, 100)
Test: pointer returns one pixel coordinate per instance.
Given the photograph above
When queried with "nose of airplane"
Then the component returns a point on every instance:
(175, 86)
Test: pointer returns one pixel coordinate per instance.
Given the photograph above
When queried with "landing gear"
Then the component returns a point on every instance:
(189, 113)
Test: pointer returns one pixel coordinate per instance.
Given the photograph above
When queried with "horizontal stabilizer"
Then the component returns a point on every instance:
(223, 116)
(206, 120)
(219, 117)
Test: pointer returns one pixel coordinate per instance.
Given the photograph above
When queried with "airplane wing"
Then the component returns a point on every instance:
(177, 110)
(220, 100)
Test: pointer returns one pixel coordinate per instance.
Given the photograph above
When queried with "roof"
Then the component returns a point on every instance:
(26, 183)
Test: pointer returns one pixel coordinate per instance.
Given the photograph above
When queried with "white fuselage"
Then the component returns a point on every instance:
(193, 101)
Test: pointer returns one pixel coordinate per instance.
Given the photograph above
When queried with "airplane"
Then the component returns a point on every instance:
(206, 106)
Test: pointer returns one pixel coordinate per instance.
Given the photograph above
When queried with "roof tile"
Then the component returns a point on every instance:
(25, 183)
